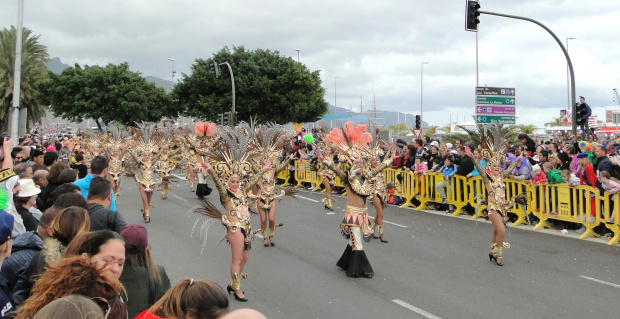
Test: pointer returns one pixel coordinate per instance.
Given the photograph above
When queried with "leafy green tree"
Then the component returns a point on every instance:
(110, 93)
(447, 129)
(34, 57)
(269, 87)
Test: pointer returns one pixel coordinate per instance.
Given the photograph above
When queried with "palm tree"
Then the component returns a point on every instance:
(447, 129)
(508, 133)
(527, 128)
(399, 129)
(33, 71)
(557, 121)
(431, 131)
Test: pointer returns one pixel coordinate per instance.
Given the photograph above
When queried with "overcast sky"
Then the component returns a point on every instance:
(374, 47)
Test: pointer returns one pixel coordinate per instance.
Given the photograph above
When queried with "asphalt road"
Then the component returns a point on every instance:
(434, 266)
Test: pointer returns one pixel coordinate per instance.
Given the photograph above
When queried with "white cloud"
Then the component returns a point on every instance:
(375, 47)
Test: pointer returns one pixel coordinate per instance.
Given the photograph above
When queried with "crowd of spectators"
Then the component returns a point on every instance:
(67, 252)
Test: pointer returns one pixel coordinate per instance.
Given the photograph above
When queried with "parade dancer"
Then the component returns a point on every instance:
(112, 146)
(229, 171)
(379, 198)
(327, 175)
(266, 149)
(146, 157)
(497, 205)
(165, 167)
(359, 185)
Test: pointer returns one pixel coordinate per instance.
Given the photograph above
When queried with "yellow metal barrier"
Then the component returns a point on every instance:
(458, 192)
(429, 191)
(284, 175)
(611, 206)
(545, 201)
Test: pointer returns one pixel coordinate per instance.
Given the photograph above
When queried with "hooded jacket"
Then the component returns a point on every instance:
(24, 248)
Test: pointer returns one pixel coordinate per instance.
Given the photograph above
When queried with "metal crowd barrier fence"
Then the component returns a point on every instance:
(545, 201)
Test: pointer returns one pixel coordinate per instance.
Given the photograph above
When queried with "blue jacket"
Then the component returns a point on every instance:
(24, 248)
(84, 185)
(448, 171)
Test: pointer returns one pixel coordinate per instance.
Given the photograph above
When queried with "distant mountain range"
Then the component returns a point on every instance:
(387, 117)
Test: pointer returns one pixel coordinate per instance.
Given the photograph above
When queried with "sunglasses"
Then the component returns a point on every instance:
(103, 302)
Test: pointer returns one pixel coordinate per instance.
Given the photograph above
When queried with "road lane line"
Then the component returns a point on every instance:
(310, 199)
(179, 197)
(179, 177)
(416, 309)
(391, 223)
(601, 281)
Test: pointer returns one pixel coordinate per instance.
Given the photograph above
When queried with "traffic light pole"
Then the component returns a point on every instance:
(570, 64)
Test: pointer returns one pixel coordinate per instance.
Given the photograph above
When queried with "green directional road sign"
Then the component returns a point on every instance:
(495, 100)
(499, 119)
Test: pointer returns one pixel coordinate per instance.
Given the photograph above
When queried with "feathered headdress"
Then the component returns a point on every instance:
(268, 141)
(493, 148)
(232, 158)
(351, 140)
(205, 129)
(146, 144)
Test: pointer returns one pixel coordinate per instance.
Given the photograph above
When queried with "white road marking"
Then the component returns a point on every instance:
(179, 197)
(330, 213)
(391, 223)
(179, 177)
(415, 309)
(601, 281)
(310, 199)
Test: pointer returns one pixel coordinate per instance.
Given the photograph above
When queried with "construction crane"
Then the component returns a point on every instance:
(616, 97)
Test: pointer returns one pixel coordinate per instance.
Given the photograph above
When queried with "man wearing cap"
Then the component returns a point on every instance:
(6, 228)
(99, 200)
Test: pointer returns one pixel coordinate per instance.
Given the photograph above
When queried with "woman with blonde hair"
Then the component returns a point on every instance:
(70, 307)
(189, 298)
(76, 275)
(67, 224)
(146, 281)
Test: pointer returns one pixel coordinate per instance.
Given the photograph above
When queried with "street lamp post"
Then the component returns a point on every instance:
(297, 55)
(335, 80)
(570, 107)
(422, 91)
(173, 71)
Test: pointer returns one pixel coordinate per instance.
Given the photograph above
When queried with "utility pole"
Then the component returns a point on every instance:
(17, 76)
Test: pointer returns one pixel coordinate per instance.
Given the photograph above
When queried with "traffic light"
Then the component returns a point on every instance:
(582, 114)
(471, 15)
(215, 68)
(418, 122)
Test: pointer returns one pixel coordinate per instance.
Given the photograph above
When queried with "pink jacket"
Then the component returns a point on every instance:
(422, 168)
(611, 187)
(540, 178)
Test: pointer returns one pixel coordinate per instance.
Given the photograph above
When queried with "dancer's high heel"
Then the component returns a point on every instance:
(492, 257)
(329, 208)
(382, 238)
(243, 299)
(145, 215)
(271, 232)
(230, 289)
